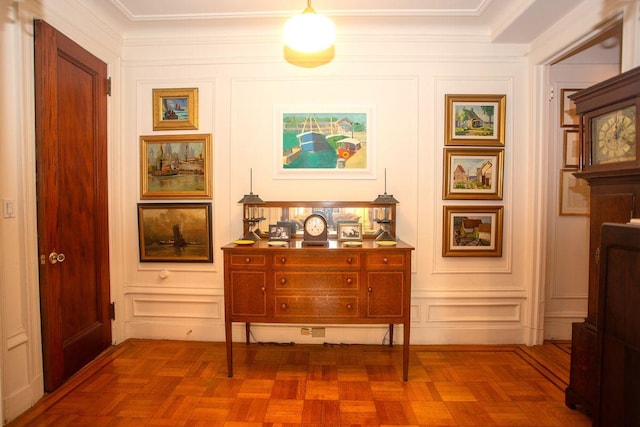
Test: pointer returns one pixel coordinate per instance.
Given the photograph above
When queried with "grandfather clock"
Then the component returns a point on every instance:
(609, 113)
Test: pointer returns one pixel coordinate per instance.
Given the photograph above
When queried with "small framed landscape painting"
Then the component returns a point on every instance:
(475, 120)
(473, 173)
(472, 231)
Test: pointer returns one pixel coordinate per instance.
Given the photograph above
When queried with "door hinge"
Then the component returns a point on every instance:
(112, 311)
(108, 86)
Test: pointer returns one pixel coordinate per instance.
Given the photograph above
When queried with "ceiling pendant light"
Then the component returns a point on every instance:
(309, 32)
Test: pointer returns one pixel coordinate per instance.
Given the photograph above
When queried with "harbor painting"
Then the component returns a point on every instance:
(175, 109)
(175, 167)
(323, 142)
(175, 232)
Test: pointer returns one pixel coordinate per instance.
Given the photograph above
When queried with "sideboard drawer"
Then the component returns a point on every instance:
(315, 307)
(385, 260)
(303, 281)
(247, 260)
(309, 259)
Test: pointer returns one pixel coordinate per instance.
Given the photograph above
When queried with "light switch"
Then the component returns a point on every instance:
(8, 208)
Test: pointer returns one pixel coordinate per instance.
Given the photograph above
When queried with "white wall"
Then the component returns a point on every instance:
(240, 74)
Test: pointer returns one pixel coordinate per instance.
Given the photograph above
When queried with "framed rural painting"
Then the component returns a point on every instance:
(568, 115)
(475, 120)
(175, 232)
(574, 194)
(473, 173)
(472, 231)
(175, 109)
(175, 166)
(572, 148)
(324, 142)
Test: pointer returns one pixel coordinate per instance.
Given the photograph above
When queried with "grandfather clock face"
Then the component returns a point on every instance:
(613, 136)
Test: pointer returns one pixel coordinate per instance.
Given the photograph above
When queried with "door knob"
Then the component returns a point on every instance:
(55, 257)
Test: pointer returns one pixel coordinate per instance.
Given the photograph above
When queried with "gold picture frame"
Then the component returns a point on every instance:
(472, 231)
(175, 109)
(473, 174)
(476, 120)
(176, 166)
(175, 232)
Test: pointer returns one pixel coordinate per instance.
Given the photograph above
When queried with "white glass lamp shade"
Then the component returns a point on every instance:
(309, 32)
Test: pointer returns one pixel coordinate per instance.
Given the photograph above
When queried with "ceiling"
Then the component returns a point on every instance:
(504, 21)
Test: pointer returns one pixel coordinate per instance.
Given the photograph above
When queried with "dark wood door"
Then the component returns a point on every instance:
(71, 148)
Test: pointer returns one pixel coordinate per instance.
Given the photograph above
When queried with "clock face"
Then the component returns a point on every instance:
(315, 225)
(614, 136)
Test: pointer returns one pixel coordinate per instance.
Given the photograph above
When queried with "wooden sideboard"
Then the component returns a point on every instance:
(368, 284)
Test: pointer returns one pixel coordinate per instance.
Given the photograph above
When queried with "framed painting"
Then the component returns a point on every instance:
(568, 115)
(475, 120)
(472, 231)
(175, 166)
(574, 194)
(349, 231)
(572, 148)
(175, 109)
(175, 232)
(473, 173)
(324, 142)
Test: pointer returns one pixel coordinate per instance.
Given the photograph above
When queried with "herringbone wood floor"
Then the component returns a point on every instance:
(181, 383)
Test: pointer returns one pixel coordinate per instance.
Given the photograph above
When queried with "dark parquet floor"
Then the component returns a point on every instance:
(182, 383)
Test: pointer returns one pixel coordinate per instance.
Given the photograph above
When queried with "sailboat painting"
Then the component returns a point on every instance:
(313, 142)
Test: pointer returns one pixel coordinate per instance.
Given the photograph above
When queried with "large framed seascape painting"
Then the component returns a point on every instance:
(472, 231)
(324, 142)
(477, 120)
(175, 232)
(472, 173)
(175, 109)
(175, 166)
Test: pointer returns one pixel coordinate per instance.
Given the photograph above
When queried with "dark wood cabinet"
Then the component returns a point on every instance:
(615, 197)
(618, 347)
(337, 284)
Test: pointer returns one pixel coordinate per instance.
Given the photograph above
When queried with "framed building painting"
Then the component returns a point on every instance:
(324, 142)
(475, 120)
(574, 194)
(175, 109)
(175, 232)
(473, 173)
(472, 231)
(175, 166)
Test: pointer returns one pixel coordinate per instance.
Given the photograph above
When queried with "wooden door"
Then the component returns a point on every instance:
(71, 148)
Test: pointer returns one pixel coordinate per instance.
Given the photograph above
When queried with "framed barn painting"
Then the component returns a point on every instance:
(475, 120)
(324, 142)
(472, 231)
(175, 109)
(473, 173)
(175, 232)
(175, 166)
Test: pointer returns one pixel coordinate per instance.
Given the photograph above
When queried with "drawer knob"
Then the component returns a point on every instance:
(349, 306)
(349, 260)
(385, 260)
(349, 280)
(262, 288)
(283, 280)
(370, 289)
(283, 306)
(283, 260)
(247, 260)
